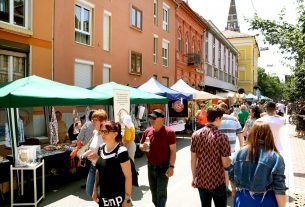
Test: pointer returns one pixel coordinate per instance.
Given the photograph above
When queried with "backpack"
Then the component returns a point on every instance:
(134, 172)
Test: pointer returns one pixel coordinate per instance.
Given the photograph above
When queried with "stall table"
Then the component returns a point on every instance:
(23, 168)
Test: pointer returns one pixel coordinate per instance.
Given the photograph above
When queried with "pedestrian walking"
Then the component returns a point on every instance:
(98, 119)
(254, 115)
(129, 136)
(276, 124)
(159, 144)
(300, 125)
(201, 117)
(210, 151)
(232, 128)
(113, 175)
(243, 115)
(257, 171)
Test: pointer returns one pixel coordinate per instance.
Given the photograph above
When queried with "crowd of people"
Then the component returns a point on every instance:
(238, 154)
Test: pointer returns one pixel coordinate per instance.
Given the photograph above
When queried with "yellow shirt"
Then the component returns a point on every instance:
(129, 134)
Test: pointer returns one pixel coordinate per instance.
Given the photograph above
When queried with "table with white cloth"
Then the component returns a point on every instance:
(177, 127)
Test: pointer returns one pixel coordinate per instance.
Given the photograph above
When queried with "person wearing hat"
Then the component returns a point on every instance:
(159, 144)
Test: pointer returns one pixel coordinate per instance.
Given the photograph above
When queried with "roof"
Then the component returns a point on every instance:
(233, 34)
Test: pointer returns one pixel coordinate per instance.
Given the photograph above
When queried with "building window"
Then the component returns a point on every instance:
(165, 46)
(83, 73)
(155, 12)
(106, 73)
(165, 17)
(136, 18)
(193, 45)
(107, 33)
(179, 42)
(165, 81)
(15, 12)
(155, 49)
(135, 63)
(13, 66)
(186, 45)
(83, 24)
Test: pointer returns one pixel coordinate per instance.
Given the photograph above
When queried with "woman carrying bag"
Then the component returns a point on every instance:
(257, 171)
(113, 175)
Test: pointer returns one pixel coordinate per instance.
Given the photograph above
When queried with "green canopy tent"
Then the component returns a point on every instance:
(36, 91)
(137, 96)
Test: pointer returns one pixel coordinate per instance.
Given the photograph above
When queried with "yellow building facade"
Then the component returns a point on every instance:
(247, 59)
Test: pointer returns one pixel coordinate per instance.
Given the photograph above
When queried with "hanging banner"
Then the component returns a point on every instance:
(178, 108)
(121, 104)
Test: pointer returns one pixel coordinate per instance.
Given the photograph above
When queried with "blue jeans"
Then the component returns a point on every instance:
(90, 180)
(158, 183)
(218, 194)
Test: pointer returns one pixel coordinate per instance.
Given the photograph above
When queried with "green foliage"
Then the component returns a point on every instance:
(270, 86)
(290, 39)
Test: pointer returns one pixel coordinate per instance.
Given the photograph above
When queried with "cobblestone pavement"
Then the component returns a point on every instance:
(297, 172)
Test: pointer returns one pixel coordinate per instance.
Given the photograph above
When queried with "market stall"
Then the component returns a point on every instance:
(177, 101)
(36, 91)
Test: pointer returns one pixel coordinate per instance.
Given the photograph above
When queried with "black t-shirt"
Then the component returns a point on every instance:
(112, 179)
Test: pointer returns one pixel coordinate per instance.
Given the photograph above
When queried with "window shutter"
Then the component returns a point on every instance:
(83, 75)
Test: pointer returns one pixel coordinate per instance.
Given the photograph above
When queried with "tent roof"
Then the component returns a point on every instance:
(183, 87)
(36, 91)
(154, 86)
(136, 96)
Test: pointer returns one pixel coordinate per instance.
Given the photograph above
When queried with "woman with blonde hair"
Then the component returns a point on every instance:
(257, 171)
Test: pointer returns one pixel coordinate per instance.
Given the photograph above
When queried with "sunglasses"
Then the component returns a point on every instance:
(152, 118)
(105, 132)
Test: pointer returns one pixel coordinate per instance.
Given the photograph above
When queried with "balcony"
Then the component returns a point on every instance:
(193, 59)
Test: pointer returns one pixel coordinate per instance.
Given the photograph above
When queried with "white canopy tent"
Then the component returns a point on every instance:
(183, 87)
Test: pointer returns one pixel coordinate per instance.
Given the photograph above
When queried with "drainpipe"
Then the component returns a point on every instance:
(53, 10)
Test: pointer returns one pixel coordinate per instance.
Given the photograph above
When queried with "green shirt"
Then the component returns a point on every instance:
(242, 116)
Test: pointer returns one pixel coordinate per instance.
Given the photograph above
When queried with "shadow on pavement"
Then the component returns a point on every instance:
(137, 192)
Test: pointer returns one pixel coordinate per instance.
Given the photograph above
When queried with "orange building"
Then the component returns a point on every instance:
(123, 41)
(25, 39)
(190, 30)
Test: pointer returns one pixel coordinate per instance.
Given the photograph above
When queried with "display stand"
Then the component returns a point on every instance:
(21, 169)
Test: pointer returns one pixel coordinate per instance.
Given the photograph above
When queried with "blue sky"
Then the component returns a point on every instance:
(217, 11)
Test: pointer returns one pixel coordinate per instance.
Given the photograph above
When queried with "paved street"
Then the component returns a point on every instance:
(180, 192)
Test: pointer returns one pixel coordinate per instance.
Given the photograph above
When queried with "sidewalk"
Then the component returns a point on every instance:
(297, 169)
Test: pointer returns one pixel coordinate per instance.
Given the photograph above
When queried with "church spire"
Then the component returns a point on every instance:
(232, 23)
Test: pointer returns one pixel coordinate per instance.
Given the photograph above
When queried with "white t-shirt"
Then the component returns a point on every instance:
(276, 124)
(280, 107)
(97, 141)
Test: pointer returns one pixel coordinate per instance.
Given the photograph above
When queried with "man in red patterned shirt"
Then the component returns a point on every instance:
(210, 151)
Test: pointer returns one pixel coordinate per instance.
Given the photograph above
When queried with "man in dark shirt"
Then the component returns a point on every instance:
(210, 151)
(159, 143)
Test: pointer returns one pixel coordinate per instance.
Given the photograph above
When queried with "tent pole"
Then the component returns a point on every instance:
(12, 131)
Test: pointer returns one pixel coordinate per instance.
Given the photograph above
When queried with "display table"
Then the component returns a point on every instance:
(178, 127)
(22, 169)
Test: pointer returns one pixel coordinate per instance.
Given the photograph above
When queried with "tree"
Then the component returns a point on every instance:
(270, 86)
(291, 41)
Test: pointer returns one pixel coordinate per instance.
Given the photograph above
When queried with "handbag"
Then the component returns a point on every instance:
(84, 149)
